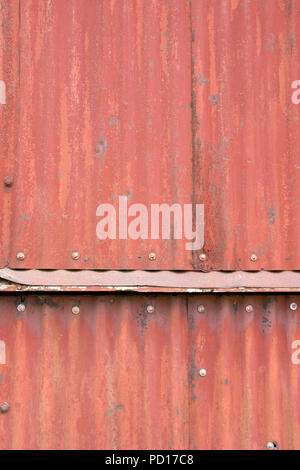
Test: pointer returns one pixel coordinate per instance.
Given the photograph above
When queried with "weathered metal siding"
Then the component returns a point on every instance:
(164, 101)
(251, 393)
(105, 94)
(9, 114)
(246, 131)
(118, 377)
(112, 377)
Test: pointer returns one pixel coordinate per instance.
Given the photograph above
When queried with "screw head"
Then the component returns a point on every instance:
(21, 308)
(293, 306)
(253, 257)
(202, 257)
(201, 308)
(75, 255)
(4, 407)
(8, 181)
(202, 372)
(20, 256)
(75, 310)
(152, 256)
(271, 445)
(249, 308)
(150, 309)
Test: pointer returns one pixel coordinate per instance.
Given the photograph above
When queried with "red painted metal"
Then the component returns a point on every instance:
(112, 377)
(246, 147)
(117, 377)
(174, 101)
(250, 395)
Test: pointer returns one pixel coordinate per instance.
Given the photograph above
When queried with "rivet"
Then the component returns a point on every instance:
(202, 257)
(271, 445)
(8, 181)
(150, 309)
(202, 372)
(75, 310)
(152, 256)
(20, 256)
(75, 255)
(21, 308)
(4, 407)
(293, 306)
(253, 257)
(201, 308)
(249, 309)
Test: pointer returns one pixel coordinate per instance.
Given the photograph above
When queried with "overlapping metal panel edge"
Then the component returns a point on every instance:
(122, 372)
(120, 81)
(164, 281)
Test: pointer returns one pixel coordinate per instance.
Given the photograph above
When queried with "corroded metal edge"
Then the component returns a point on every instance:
(149, 281)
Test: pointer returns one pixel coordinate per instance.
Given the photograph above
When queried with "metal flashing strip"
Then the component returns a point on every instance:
(149, 281)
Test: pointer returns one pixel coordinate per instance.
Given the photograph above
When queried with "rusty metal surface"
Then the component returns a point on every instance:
(246, 130)
(163, 101)
(120, 375)
(250, 395)
(111, 377)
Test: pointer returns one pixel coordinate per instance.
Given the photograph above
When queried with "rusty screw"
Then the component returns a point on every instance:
(152, 256)
(75, 255)
(21, 308)
(75, 310)
(293, 306)
(253, 257)
(249, 309)
(4, 407)
(202, 257)
(8, 181)
(150, 309)
(20, 256)
(201, 308)
(202, 372)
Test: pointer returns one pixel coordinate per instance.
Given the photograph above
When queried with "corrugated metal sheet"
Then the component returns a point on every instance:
(250, 395)
(119, 377)
(246, 130)
(174, 101)
(112, 377)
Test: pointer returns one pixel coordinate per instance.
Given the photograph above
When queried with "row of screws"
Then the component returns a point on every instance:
(248, 308)
(152, 256)
(75, 309)
(150, 309)
(21, 256)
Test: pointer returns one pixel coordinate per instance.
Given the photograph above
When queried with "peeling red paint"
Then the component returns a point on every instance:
(117, 377)
(165, 102)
